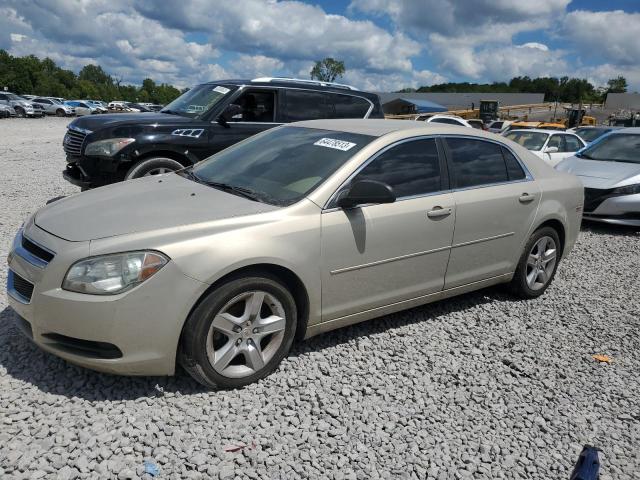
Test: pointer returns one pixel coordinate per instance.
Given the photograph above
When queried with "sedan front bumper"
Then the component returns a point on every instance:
(618, 210)
(133, 333)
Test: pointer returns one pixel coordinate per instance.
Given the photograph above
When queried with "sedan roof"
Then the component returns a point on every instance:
(379, 127)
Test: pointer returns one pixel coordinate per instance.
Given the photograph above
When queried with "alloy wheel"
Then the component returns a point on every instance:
(245, 334)
(541, 263)
(157, 171)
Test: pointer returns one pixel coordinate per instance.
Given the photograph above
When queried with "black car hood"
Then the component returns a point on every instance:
(96, 122)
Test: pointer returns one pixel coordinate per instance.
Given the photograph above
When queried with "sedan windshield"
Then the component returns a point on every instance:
(590, 134)
(197, 101)
(619, 147)
(529, 140)
(280, 166)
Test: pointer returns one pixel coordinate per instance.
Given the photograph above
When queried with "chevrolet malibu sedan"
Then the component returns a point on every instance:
(609, 168)
(296, 231)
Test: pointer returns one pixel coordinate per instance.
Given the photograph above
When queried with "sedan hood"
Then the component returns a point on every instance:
(141, 205)
(598, 173)
(94, 123)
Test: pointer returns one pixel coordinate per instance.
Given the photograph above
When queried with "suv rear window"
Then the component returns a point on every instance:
(347, 106)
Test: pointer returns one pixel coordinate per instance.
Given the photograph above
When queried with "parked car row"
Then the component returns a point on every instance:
(12, 105)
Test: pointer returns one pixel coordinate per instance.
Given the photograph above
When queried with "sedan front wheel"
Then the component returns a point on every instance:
(239, 332)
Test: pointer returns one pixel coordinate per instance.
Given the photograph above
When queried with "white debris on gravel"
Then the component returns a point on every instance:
(480, 386)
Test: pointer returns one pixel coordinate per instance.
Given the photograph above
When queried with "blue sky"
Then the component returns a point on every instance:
(385, 44)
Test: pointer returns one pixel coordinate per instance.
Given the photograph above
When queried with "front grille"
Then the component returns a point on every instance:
(36, 250)
(72, 142)
(593, 197)
(19, 285)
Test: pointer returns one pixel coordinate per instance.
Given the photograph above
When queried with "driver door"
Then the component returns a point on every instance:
(258, 112)
(376, 255)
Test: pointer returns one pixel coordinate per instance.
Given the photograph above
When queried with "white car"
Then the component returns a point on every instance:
(447, 119)
(499, 126)
(551, 146)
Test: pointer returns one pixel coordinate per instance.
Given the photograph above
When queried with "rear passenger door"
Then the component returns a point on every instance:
(496, 201)
(306, 105)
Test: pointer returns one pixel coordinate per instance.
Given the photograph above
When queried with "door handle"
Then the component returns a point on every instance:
(526, 198)
(439, 212)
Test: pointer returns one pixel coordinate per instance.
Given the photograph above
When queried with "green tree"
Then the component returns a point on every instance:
(327, 70)
(617, 85)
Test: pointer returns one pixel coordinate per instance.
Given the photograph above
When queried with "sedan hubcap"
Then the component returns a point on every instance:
(245, 334)
(541, 262)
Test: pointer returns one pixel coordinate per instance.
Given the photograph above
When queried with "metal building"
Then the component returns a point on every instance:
(461, 101)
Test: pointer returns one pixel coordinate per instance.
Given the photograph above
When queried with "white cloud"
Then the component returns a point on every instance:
(257, 66)
(17, 37)
(610, 36)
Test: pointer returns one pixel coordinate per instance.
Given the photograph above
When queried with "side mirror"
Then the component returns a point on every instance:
(551, 150)
(366, 191)
(231, 111)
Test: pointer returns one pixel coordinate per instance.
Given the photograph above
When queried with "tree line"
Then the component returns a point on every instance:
(31, 75)
(563, 89)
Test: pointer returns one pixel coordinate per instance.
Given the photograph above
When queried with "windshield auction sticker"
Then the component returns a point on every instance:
(220, 89)
(336, 144)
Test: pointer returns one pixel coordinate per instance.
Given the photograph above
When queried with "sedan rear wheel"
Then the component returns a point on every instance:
(239, 332)
(538, 264)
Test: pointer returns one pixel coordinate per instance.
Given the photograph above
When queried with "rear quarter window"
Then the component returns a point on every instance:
(348, 106)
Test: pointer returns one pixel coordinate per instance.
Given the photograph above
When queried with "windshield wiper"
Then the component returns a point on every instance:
(170, 112)
(583, 155)
(240, 191)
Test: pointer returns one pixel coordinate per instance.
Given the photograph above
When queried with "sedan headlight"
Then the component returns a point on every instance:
(107, 148)
(113, 274)
(627, 190)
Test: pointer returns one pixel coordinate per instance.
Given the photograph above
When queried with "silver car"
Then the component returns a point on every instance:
(52, 106)
(293, 232)
(21, 106)
(609, 168)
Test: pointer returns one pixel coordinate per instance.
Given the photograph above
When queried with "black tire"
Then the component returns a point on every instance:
(20, 112)
(60, 113)
(149, 165)
(192, 353)
(519, 285)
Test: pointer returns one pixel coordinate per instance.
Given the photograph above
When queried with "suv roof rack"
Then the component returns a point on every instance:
(301, 80)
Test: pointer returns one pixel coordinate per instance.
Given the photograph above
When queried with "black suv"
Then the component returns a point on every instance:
(103, 149)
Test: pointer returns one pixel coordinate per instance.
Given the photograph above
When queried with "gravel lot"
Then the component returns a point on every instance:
(480, 386)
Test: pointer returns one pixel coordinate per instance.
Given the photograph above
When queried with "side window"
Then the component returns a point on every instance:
(556, 141)
(257, 106)
(514, 170)
(307, 105)
(496, 125)
(572, 143)
(3, 96)
(476, 162)
(411, 168)
(347, 106)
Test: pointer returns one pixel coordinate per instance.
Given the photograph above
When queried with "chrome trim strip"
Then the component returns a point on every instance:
(12, 292)
(387, 260)
(486, 239)
(528, 176)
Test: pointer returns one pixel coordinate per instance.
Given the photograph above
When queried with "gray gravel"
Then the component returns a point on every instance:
(481, 386)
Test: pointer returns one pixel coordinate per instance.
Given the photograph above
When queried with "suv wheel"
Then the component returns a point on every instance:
(538, 264)
(239, 333)
(20, 112)
(60, 113)
(153, 166)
